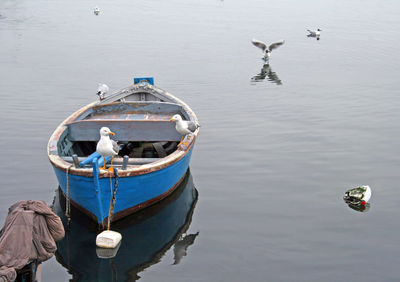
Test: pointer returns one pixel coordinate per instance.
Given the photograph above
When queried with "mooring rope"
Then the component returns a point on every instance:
(68, 199)
(113, 193)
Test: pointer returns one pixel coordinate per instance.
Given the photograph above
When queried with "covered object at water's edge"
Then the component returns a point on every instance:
(29, 234)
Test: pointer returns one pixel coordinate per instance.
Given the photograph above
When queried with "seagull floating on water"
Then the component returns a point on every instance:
(314, 33)
(184, 127)
(102, 90)
(266, 49)
(96, 10)
(107, 147)
(358, 196)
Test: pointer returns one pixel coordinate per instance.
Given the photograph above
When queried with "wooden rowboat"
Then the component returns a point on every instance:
(150, 165)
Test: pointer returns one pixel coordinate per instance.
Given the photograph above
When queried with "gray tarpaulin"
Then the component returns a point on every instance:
(29, 233)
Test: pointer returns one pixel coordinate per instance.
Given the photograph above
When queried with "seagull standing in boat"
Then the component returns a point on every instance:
(184, 127)
(102, 90)
(267, 49)
(107, 147)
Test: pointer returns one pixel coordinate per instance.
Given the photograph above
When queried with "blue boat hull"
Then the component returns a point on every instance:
(133, 192)
(146, 239)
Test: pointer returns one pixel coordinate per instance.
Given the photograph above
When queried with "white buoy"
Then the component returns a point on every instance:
(108, 239)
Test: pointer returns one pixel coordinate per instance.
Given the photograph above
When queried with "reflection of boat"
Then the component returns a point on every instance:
(150, 164)
(147, 236)
(266, 71)
(27, 273)
(360, 208)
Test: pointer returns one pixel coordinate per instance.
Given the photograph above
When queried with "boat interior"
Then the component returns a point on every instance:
(139, 120)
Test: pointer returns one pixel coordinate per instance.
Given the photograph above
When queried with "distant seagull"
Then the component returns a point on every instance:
(184, 127)
(102, 90)
(96, 10)
(266, 49)
(314, 33)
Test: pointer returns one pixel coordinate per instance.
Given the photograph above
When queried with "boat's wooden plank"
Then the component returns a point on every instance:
(160, 149)
(65, 146)
(133, 116)
(137, 107)
(117, 161)
(133, 93)
(138, 152)
(125, 130)
(132, 107)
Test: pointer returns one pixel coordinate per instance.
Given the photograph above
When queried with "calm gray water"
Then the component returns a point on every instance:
(272, 161)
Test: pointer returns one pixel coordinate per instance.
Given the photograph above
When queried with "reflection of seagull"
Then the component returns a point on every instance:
(107, 147)
(267, 71)
(184, 127)
(96, 10)
(316, 33)
(181, 246)
(102, 90)
(266, 49)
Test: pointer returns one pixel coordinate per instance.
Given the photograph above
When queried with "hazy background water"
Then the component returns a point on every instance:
(272, 162)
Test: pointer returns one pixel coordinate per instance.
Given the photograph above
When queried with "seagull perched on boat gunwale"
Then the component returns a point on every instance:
(102, 90)
(184, 127)
(107, 147)
(266, 49)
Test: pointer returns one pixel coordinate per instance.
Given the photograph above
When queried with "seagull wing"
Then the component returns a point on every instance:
(311, 32)
(259, 44)
(276, 45)
(102, 88)
(115, 146)
(192, 126)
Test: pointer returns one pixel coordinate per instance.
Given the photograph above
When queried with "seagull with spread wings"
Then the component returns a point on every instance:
(266, 49)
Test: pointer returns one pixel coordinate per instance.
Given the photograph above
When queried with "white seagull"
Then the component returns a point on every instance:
(314, 33)
(96, 10)
(102, 90)
(107, 147)
(266, 49)
(184, 127)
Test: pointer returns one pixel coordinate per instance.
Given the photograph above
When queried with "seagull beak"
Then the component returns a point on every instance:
(171, 120)
(112, 133)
